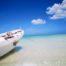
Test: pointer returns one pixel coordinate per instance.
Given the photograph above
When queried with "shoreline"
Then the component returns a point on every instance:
(38, 52)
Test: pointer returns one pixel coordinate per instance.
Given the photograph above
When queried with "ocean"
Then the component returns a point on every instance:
(41, 50)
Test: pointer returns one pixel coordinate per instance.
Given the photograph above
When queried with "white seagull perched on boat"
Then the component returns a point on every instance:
(9, 40)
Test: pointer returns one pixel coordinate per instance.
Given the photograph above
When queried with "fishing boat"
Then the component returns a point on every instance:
(9, 40)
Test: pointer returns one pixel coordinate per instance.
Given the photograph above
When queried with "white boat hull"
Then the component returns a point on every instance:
(5, 49)
(8, 45)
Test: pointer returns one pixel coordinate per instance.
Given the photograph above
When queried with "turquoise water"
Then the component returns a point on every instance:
(45, 36)
(41, 50)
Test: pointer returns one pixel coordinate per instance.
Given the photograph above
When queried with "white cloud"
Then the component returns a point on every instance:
(57, 11)
(38, 21)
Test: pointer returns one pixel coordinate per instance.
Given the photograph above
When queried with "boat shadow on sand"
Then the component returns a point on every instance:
(16, 49)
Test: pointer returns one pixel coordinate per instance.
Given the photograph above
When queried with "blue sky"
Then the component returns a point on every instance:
(34, 16)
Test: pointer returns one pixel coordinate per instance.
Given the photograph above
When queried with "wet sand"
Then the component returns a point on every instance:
(37, 51)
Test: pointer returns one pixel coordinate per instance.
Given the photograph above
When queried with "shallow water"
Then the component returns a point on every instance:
(37, 51)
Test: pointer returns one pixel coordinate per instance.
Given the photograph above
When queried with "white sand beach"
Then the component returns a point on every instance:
(38, 51)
